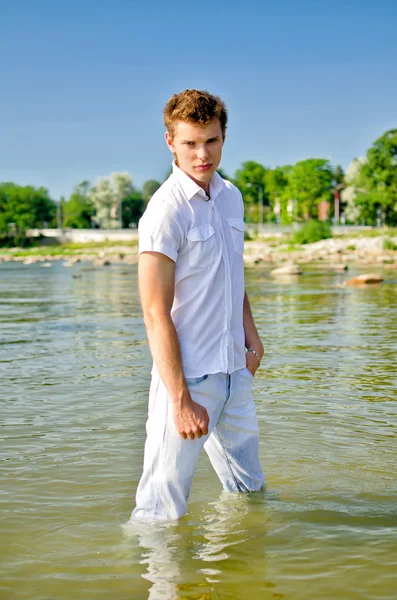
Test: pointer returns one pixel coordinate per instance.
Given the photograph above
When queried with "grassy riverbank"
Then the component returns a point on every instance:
(105, 251)
(61, 250)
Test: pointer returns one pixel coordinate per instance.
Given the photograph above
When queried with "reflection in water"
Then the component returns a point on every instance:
(200, 557)
(229, 521)
(161, 549)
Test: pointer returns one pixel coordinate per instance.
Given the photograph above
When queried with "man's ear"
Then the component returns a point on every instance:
(168, 140)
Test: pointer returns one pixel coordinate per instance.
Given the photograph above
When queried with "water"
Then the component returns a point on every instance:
(75, 366)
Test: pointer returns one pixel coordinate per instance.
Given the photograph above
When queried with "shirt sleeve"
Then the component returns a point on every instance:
(161, 229)
(240, 202)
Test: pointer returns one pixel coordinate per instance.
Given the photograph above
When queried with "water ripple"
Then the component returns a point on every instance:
(75, 369)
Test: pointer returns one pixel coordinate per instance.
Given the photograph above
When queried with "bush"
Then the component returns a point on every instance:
(388, 244)
(17, 240)
(312, 231)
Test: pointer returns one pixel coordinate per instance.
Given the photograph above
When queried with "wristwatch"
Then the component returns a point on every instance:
(258, 358)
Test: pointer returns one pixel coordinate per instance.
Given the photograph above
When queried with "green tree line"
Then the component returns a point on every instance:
(310, 189)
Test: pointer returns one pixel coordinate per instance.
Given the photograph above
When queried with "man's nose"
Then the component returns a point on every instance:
(202, 152)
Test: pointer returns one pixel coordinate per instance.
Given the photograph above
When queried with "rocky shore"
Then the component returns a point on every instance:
(334, 252)
(98, 257)
(337, 253)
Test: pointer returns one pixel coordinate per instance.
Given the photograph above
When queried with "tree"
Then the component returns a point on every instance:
(276, 182)
(149, 188)
(339, 175)
(23, 208)
(379, 175)
(354, 184)
(107, 196)
(309, 183)
(77, 211)
(222, 173)
(250, 180)
(132, 208)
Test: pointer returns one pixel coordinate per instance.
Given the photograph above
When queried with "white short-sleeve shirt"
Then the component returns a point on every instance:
(205, 238)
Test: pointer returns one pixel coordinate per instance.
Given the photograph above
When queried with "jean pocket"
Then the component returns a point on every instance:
(246, 369)
(195, 380)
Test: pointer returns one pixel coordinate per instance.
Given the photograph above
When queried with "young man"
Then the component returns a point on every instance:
(198, 319)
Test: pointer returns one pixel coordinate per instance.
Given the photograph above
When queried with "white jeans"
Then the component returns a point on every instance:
(232, 444)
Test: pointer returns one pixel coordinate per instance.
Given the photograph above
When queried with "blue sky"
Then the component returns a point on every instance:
(83, 83)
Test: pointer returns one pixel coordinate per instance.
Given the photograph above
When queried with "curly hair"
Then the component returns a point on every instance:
(196, 107)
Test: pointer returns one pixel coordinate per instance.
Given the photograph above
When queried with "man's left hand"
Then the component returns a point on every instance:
(251, 362)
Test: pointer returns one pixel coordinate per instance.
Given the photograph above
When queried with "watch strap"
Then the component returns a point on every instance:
(258, 358)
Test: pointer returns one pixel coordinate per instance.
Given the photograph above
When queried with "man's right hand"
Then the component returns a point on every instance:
(191, 419)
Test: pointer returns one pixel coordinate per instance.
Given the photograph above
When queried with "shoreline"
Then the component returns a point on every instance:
(338, 251)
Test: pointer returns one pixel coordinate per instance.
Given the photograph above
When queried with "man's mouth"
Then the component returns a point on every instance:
(203, 167)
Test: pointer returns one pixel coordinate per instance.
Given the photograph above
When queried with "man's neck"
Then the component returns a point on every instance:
(204, 186)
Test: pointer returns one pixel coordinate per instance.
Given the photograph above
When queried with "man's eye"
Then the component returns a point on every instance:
(189, 143)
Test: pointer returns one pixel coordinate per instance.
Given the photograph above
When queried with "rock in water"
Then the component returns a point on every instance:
(290, 269)
(102, 262)
(365, 279)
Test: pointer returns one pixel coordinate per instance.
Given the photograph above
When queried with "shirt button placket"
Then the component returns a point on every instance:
(229, 359)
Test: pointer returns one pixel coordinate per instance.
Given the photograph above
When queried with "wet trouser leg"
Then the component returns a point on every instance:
(232, 444)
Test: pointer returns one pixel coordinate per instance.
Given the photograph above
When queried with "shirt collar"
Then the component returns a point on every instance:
(191, 188)
(217, 184)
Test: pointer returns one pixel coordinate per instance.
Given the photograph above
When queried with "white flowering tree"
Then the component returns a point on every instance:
(353, 186)
(107, 196)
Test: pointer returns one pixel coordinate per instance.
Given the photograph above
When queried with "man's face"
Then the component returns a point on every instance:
(198, 150)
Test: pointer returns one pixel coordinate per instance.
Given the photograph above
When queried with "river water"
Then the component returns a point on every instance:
(75, 368)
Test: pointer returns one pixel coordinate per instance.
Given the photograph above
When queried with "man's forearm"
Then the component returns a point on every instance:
(252, 339)
(157, 286)
(166, 352)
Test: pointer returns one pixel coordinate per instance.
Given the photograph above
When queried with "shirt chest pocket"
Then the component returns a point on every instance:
(201, 246)
(237, 227)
